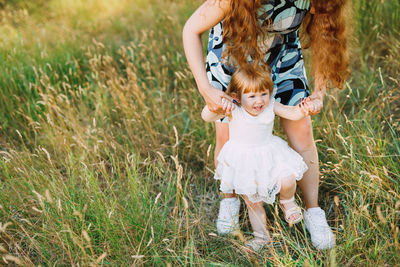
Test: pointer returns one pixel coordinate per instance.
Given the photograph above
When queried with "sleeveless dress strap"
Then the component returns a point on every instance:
(235, 113)
(268, 115)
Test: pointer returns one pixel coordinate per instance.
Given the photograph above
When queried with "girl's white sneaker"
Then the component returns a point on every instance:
(228, 217)
(322, 236)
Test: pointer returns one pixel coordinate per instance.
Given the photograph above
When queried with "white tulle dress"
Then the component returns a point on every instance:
(253, 162)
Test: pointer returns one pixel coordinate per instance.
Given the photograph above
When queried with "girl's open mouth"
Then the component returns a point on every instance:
(258, 108)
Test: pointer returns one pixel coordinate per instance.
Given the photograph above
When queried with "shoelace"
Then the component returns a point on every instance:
(318, 219)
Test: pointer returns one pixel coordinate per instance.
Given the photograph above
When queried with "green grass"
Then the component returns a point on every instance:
(104, 159)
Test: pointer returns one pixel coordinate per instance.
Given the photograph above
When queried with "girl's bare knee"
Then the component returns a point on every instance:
(288, 183)
(252, 205)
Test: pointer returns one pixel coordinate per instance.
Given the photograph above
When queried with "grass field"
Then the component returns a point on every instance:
(104, 159)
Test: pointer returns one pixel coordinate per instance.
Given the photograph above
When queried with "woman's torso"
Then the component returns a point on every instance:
(284, 16)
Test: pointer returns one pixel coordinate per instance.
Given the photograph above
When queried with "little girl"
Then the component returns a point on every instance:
(255, 163)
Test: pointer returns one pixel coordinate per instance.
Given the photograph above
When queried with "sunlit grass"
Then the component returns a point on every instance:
(104, 158)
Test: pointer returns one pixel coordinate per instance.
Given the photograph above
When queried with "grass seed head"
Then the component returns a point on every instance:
(13, 259)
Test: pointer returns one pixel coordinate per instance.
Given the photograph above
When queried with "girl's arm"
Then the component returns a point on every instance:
(227, 108)
(204, 18)
(209, 116)
(291, 112)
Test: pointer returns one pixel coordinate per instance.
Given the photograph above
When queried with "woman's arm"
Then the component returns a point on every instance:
(204, 18)
(318, 95)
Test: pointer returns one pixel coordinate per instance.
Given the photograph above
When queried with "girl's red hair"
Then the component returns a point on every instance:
(251, 78)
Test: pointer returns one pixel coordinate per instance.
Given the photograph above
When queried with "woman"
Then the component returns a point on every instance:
(267, 33)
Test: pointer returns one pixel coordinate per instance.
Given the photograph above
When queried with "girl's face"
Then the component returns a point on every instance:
(255, 102)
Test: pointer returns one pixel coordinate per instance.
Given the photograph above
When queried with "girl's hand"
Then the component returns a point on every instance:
(304, 106)
(217, 101)
(227, 106)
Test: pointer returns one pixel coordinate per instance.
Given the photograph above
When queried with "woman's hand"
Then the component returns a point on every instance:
(315, 103)
(317, 97)
(310, 105)
(217, 101)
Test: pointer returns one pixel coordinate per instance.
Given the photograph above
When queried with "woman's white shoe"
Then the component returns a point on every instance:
(322, 236)
(228, 217)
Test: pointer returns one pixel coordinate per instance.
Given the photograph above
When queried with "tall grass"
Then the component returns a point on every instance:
(104, 159)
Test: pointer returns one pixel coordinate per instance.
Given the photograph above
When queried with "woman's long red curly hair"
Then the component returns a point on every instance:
(326, 29)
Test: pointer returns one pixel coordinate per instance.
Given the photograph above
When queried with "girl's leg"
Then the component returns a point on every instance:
(301, 139)
(288, 189)
(258, 219)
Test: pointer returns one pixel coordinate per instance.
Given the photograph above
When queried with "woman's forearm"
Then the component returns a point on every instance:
(194, 55)
(320, 85)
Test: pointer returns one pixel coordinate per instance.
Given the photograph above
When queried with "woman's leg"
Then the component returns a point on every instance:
(228, 215)
(222, 136)
(301, 139)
